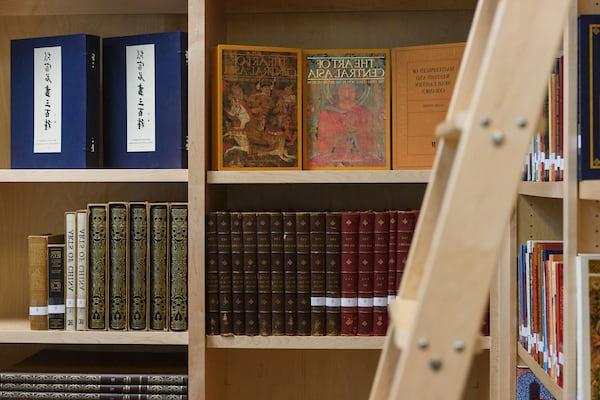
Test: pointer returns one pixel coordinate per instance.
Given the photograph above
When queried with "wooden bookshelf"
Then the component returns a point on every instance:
(283, 177)
(94, 175)
(83, 7)
(589, 190)
(546, 380)
(552, 190)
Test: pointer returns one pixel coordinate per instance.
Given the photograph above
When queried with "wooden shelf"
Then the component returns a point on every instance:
(278, 6)
(552, 190)
(546, 380)
(293, 177)
(93, 175)
(87, 7)
(589, 190)
(306, 342)
(17, 331)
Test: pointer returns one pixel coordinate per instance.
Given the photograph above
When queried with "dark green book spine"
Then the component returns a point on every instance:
(117, 266)
(158, 266)
(97, 267)
(56, 286)
(138, 265)
(179, 267)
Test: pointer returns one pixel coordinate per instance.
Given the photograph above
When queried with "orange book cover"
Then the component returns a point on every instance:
(257, 108)
(423, 82)
(346, 109)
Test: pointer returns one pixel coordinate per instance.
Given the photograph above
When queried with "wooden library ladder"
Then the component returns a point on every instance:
(493, 113)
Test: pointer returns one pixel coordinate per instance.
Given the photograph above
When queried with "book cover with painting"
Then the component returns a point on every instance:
(346, 109)
(256, 114)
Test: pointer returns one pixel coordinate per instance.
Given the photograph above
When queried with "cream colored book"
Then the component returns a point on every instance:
(82, 270)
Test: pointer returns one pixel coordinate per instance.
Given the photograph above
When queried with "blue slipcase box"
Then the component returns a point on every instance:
(55, 102)
(145, 101)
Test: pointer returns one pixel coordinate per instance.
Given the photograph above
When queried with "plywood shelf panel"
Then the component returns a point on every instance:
(589, 190)
(279, 6)
(552, 190)
(84, 7)
(546, 380)
(17, 331)
(93, 175)
(292, 177)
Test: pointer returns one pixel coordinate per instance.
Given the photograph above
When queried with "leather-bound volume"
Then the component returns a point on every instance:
(365, 272)
(392, 285)
(97, 266)
(56, 286)
(290, 259)
(263, 246)
(88, 396)
(303, 272)
(317, 273)
(212, 275)
(224, 268)
(250, 273)
(277, 275)
(380, 272)
(38, 279)
(237, 274)
(158, 265)
(138, 265)
(178, 267)
(117, 265)
(332, 273)
(93, 379)
(349, 273)
(406, 227)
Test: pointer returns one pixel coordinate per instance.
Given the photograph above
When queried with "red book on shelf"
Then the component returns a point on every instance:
(349, 272)
(380, 272)
(392, 243)
(406, 227)
(365, 273)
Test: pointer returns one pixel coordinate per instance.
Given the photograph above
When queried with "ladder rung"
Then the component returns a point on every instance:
(450, 129)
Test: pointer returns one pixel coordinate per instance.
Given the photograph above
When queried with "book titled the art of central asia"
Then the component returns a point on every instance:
(55, 102)
(346, 109)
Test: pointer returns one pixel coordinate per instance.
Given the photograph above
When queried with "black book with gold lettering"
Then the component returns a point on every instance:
(224, 268)
(56, 286)
(277, 275)
(212, 276)
(250, 273)
(117, 261)
(289, 275)
(178, 267)
(158, 266)
(263, 246)
(97, 266)
(303, 272)
(237, 274)
(138, 265)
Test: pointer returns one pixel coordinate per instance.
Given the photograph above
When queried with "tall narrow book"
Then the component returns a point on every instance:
(70, 271)
(381, 238)
(365, 272)
(178, 267)
(250, 273)
(97, 223)
(212, 275)
(56, 286)
(317, 273)
(263, 258)
(303, 272)
(118, 227)
(159, 237)
(349, 273)
(237, 275)
(277, 274)
(82, 270)
(38, 278)
(332, 273)
(138, 265)
(224, 268)
(289, 275)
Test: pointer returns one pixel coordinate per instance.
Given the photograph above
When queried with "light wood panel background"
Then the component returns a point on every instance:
(538, 218)
(270, 6)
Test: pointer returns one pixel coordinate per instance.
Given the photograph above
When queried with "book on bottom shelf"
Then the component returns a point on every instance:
(212, 276)
(56, 286)
(118, 243)
(97, 264)
(178, 267)
(82, 270)
(70, 271)
(529, 386)
(138, 266)
(158, 258)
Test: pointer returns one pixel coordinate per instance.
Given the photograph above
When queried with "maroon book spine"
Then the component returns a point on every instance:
(392, 285)
(277, 275)
(380, 272)
(237, 274)
(289, 274)
(263, 239)
(303, 272)
(349, 273)
(224, 267)
(212, 275)
(332, 275)
(317, 273)
(406, 226)
(250, 274)
(365, 272)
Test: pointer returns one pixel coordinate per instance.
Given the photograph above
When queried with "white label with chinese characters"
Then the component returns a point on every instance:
(47, 99)
(141, 128)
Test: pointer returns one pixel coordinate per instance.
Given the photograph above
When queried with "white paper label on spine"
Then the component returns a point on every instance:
(333, 302)
(38, 310)
(47, 99)
(349, 301)
(141, 99)
(391, 298)
(80, 303)
(365, 302)
(56, 309)
(71, 303)
(380, 301)
(317, 301)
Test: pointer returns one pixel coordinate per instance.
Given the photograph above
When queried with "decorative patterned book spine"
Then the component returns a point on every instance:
(178, 267)
(303, 272)
(290, 259)
(317, 273)
(98, 379)
(406, 226)
(38, 279)
(380, 272)
(56, 286)
(93, 388)
(70, 271)
(277, 275)
(89, 396)
(365, 273)
(224, 267)
(117, 258)
(138, 265)
(263, 241)
(97, 265)
(250, 273)
(349, 273)
(237, 274)
(158, 266)
(332, 276)
(212, 275)
(82, 270)
(393, 242)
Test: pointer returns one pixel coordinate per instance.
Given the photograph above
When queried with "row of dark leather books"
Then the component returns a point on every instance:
(304, 273)
(31, 385)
